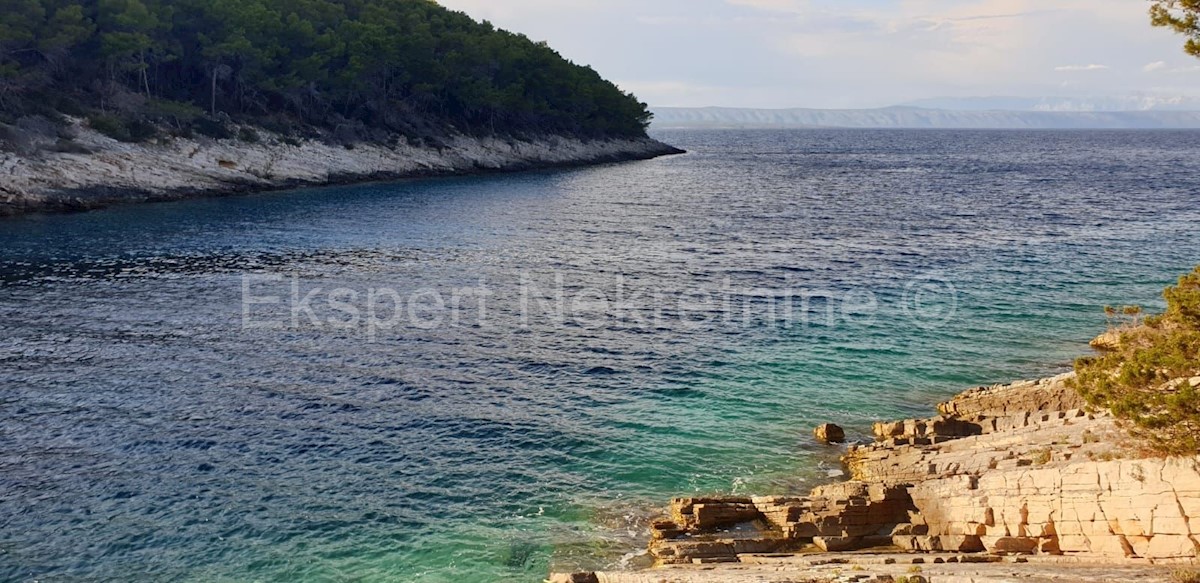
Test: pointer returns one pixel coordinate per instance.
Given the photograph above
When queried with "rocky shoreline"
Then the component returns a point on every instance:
(97, 171)
(1021, 481)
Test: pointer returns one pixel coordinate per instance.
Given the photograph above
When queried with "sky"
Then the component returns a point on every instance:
(857, 53)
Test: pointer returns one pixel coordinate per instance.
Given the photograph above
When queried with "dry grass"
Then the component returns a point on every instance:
(1185, 575)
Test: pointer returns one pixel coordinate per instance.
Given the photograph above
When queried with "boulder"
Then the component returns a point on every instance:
(830, 433)
(574, 578)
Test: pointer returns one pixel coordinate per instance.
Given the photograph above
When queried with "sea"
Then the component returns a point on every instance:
(487, 378)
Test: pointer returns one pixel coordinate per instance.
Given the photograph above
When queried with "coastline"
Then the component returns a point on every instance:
(102, 171)
(1018, 481)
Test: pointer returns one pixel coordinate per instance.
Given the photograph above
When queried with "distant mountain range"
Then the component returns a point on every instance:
(1134, 102)
(920, 117)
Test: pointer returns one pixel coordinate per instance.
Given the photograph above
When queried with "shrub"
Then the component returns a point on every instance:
(249, 136)
(141, 130)
(1042, 456)
(176, 112)
(1185, 575)
(67, 105)
(110, 126)
(212, 128)
(13, 139)
(136, 130)
(1146, 381)
(1183, 300)
(66, 146)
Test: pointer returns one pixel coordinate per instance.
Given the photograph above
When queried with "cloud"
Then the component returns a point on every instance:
(1082, 68)
(1163, 67)
(866, 53)
(792, 6)
(1013, 15)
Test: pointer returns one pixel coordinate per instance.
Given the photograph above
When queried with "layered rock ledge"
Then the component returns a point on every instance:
(1018, 481)
(100, 171)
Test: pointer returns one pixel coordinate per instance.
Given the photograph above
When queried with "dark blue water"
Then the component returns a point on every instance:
(494, 375)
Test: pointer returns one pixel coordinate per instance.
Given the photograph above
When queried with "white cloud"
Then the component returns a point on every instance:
(793, 6)
(1082, 68)
(1163, 67)
(854, 53)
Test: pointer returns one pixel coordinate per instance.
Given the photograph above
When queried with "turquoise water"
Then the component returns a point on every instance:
(717, 306)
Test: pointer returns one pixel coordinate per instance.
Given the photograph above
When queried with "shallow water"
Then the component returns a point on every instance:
(715, 307)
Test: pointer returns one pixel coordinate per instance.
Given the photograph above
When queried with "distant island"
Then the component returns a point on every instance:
(146, 99)
(908, 117)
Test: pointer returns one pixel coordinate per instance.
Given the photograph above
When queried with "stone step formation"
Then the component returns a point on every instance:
(1005, 474)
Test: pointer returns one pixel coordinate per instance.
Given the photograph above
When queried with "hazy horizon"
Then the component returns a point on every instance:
(821, 54)
(1004, 103)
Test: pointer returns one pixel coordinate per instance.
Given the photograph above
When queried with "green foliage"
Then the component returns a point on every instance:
(110, 126)
(1146, 380)
(176, 112)
(1182, 16)
(404, 66)
(212, 129)
(1183, 301)
(125, 130)
(20, 23)
(67, 27)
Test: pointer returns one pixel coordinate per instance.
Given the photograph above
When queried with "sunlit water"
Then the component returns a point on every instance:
(718, 305)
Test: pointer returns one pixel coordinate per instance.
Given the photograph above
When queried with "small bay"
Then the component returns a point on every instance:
(523, 365)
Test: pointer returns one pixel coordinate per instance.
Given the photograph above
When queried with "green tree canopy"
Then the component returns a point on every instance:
(401, 66)
(1146, 377)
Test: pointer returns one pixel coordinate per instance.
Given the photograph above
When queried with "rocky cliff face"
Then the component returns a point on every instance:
(1019, 474)
(101, 171)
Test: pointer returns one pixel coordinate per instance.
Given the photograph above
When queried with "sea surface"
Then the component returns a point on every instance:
(480, 379)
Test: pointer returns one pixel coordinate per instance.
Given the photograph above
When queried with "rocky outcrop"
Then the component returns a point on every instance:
(1141, 508)
(1020, 472)
(1029, 397)
(1110, 340)
(836, 517)
(1033, 478)
(99, 171)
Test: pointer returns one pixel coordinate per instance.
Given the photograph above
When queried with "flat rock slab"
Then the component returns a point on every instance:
(868, 568)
